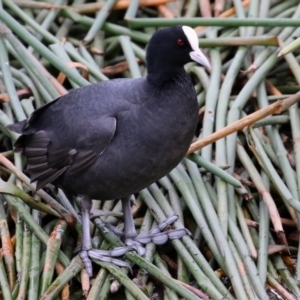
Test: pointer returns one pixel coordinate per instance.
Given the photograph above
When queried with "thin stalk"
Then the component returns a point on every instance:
(263, 239)
(245, 279)
(245, 231)
(295, 122)
(130, 57)
(189, 244)
(50, 18)
(286, 276)
(93, 69)
(244, 252)
(132, 10)
(247, 260)
(226, 254)
(31, 64)
(150, 248)
(239, 103)
(7, 247)
(279, 288)
(211, 101)
(225, 191)
(109, 27)
(11, 90)
(241, 14)
(4, 282)
(97, 284)
(275, 108)
(252, 13)
(99, 20)
(17, 205)
(217, 171)
(30, 21)
(19, 243)
(60, 51)
(262, 189)
(68, 274)
(105, 290)
(34, 273)
(162, 266)
(40, 48)
(273, 120)
(53, 246)
(273, 175)
(224, 22)
(26, 257)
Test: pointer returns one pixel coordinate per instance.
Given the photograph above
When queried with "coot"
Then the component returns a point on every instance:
(111, 139)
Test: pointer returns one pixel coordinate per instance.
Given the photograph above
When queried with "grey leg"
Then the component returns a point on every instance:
(132, 240)
(129, 227)
(87, 253)
(86, 205)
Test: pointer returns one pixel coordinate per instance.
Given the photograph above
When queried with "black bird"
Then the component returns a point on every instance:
(111, 139)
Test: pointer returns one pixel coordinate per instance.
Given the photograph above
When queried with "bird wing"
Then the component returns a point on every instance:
(71, 132)
(54, 140)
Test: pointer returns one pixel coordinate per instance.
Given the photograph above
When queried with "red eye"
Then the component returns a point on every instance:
(180, 42)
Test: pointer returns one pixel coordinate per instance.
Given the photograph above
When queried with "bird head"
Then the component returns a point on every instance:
(175, 46)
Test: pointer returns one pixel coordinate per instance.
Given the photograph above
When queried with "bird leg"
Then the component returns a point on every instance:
(87, 252)
(156, 235)
(132, 240)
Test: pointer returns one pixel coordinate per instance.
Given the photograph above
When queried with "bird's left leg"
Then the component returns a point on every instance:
(86, 251)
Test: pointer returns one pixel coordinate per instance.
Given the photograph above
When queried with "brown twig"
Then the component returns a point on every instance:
(20, 93)
(117, 68)
(244, 181)
(228, 13)
(275, 108)
(120, 5)
(219, 7)
(165, 11)
(85, 74)
(205, 8)
(8, 253)
(197, 292)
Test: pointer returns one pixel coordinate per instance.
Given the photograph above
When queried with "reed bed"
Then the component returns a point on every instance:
(237, 190)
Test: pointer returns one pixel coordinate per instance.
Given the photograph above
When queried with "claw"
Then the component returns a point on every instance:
(178, 233)
(93, 254)
(105, 256)
(132, 242)
(167, 222)
(141, 251)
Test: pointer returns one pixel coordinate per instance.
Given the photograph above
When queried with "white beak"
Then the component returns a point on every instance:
(196, 54)
(200, 58)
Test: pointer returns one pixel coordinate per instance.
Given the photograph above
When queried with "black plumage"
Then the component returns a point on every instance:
(111, 139)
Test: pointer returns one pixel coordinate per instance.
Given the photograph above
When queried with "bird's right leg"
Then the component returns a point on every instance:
(157, 235)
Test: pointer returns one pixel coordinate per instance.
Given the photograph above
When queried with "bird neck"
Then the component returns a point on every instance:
(161, 76)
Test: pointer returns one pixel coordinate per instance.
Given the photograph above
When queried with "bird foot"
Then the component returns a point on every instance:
(104, 256)
(133, 242)
(156, 235)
